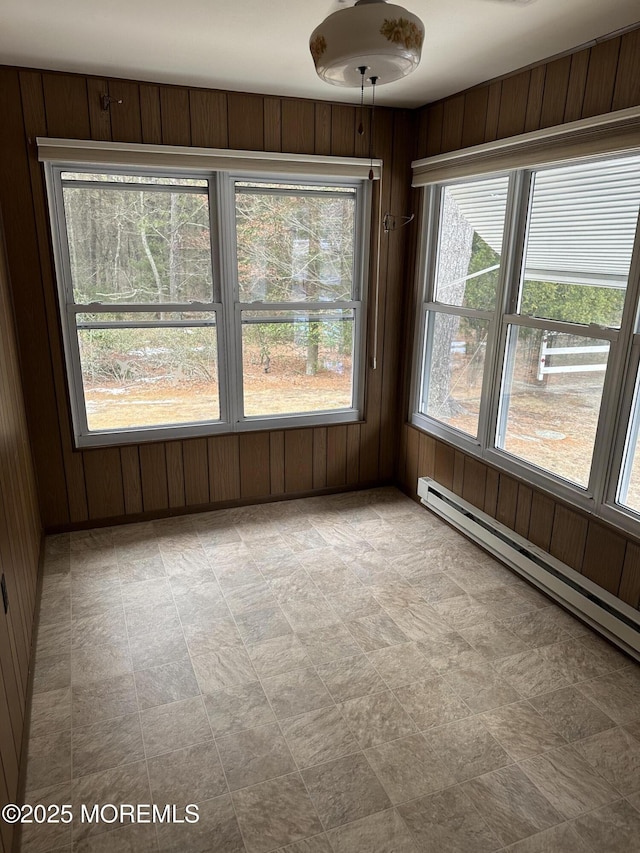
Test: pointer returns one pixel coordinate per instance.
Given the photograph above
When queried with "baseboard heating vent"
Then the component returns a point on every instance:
(614, 619)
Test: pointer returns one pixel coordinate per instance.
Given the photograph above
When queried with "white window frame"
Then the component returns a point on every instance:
(339, 172)
(621, 389)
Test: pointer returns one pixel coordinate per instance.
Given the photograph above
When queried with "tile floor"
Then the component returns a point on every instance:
(341, 674)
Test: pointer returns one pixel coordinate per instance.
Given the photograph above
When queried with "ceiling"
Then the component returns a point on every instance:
(258, 46)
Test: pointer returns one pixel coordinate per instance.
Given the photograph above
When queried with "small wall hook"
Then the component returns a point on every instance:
(107, 101)
(389, 221)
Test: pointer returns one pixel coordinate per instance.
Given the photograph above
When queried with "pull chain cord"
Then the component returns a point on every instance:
(373, 80)
(376, 316)
(363, 70)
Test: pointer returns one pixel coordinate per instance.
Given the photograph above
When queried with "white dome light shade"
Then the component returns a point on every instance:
(381, 37)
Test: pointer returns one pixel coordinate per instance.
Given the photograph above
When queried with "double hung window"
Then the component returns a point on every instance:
(196, 302)
(529, 346)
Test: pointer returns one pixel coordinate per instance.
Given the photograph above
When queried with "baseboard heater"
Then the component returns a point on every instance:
(612, 618)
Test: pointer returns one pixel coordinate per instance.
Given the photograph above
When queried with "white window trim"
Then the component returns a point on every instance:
(171, 161)
(622, 379)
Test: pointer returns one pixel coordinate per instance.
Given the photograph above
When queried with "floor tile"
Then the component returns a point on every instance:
(511, 804)
(236, 708)
(493, 640)
(258, 625)
(576, 661)
(155, 591)
(50, 712)
(205, 636)
(418, 621)
(36, 838)
(216, 831)
(103, 699)
(530, 673)
(200, 601)
(296, 692)
(376, 632)
(278, 655)
(571, 713)
(188, 775)
(400, 665)
(318, 736)
(449, 651)
(615, 754)
(53, 639)
(136, 838)
(147, 568)
(174, 725)
(466, 749)
(521, 730)
(481, 687)
(161, 645)
(384, 832)
(48, 760)
(146, 617)
(97, 662)
(254, 755)
(163, 684)
(349, 678)
(463, 611)
(128, 783)
(540, 628)
(108, 627)
(409, 768)
(559, 839)
(100, 746)
(376, 719)
(431, 703)
(448, 821)
(345, 790)
(617, 694)
(276, 813)
(228, 667)
(253, 596)
(328, 643)
(614, 828)
(569, 782)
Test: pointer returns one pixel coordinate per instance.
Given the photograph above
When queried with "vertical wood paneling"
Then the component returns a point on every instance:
(175, 473)
(556, 84)
(342, 130)
(255, 478)
(150, 118)
(298, 127)
(491, 492)
(99, 118)
(426, 455)
(629, 590)
(523, 510)
(534, 101)
(67, 107)
(319, 457)
(458, 472)
(576, 86)
(507, 501)
(452, 123)
(322, 143)
(513, 104)
(604, 557)
(272, 124)
(246, 121)
(475, 481)
(353, 453)
(103, 475)
(224, 468)
(601, 78)
(131, 480)
(208, 112)
(336, 455)
(627, 88)
(434, 129)
(493, 111)
(568, 537)
(475, 114)
(196, 480)
(153, 467)
(174, 116)
(126, 124)
(541, 520)
(276, 462)
(412, 459)
(444, 464)
(298, 460)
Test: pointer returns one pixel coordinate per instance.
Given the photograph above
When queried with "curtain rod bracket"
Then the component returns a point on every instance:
(107, 101)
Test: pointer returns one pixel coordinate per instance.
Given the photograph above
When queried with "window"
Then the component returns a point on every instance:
(527, 344)
(203, 302)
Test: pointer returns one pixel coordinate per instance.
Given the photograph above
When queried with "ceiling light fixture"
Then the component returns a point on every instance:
(381, 37)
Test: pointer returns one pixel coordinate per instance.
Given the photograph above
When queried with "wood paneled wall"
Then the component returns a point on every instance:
(81, 487)
(588, 82)
(20, 536)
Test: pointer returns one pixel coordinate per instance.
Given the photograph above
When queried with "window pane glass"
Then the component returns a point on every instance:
(137, 246)
(454, 367)
(629, 485)
(470, 243)
(135, 179)
(297, 361)
(149, 377)
(582, 225)
(295, 247)
(551, 398)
